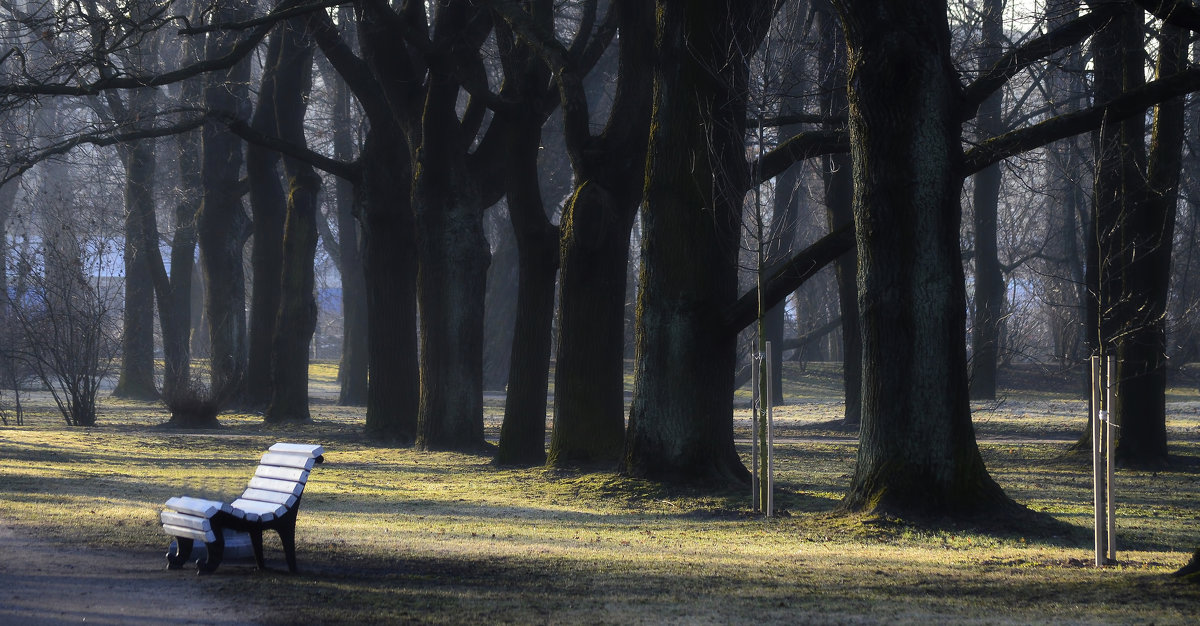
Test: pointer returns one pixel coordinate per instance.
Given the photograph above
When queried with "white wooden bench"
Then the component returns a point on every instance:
(270, 502)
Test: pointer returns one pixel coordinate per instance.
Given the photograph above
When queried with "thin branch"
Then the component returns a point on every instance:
(1018, 59)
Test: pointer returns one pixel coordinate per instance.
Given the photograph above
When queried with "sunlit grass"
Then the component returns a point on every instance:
(388, 535)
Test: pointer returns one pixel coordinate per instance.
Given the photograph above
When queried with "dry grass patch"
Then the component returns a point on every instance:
(392, 535)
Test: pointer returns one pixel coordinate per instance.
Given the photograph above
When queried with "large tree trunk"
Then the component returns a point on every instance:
(589, 381)
(268, 204)
(523, 432)
(1142, 352)
(681, 421)
(221, 220)
(989, 280)
(136, 379)
(297, 315)
(390, 273)
(917, 451)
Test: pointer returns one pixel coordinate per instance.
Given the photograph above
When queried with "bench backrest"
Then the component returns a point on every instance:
(278, 482)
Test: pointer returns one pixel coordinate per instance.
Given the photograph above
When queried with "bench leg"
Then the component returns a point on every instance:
(257, 545)
(183, 550)
(216, 552)
(287, 536)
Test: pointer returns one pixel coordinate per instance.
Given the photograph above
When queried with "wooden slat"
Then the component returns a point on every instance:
(274, 497)
(293, 474)
(283, 459)
(206, 536)
(282, 486)
(255, 511)
(309, 450)
(196, 506)
(184, 520)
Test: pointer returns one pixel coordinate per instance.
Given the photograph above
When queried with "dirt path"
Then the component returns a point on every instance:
(44, 583)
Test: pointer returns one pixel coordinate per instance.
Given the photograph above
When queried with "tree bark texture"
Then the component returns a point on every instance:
(297, 314)
(917, 451)
(681, 421)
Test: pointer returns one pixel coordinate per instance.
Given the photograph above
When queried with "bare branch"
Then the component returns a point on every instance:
(1132, 103)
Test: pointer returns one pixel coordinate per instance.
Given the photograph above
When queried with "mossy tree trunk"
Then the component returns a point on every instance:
(917, 450)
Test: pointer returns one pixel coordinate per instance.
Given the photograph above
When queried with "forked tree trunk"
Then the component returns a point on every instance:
(452, 257)
(353, 367)
(1142, 353)
(589, 383)
(917, 450)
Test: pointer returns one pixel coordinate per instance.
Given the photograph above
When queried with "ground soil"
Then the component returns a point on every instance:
(44, 583)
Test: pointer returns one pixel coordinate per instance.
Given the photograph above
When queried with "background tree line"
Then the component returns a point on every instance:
(508, 184)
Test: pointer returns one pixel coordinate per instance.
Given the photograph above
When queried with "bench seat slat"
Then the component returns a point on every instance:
(196, 506)
(282, 486)
(255, 511)
(274, 497)
(282, 459)
(207, 536)
(184, 520)
(293, 474)
(310, 450)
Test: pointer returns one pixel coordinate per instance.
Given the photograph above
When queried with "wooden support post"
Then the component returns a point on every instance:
(754, 376)
(1110, 440)
(770, 452)
(1098, 471)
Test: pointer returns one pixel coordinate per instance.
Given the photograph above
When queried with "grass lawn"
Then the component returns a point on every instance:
(394, 535)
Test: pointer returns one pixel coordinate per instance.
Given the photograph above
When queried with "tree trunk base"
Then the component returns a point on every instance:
(1190, 572)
